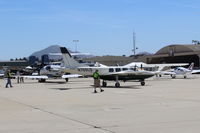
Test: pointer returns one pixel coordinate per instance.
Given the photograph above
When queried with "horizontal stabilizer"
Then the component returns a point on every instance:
(71, 76)
(35, 77)
(195, 71)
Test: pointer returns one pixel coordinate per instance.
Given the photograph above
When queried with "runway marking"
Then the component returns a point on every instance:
(58, 115)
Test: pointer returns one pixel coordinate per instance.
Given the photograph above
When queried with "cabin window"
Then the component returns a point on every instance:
(117, 69)
(111, 70)
(48, 68)
(133, 69)
(124, 69)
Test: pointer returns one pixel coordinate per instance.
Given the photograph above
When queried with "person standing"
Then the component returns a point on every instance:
(21, 78)
(96, 77)
(8, 76)
(18, 77)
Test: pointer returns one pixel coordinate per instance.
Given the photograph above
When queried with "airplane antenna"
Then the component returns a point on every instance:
(134, 47)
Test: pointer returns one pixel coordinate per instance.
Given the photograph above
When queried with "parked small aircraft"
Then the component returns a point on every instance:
(157, 68)
(51, 71)
(1, 73)
(181, 71)
(114, 73)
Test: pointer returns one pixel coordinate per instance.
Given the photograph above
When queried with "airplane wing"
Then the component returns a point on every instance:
(167, 73)
(46, 77)
(73, 54)
(124, 73)
(35, 77)
(195, 71)
(163, 67)
(71, 76)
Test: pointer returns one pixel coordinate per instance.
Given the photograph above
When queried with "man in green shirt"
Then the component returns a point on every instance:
(96, 77)
(8, 76)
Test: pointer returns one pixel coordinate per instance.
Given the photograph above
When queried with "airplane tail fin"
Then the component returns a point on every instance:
(68, 59)
(191, 66)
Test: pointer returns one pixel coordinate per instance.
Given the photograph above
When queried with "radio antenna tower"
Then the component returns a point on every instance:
(134, 47)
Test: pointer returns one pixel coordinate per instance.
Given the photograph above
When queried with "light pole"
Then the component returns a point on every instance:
(75, 41)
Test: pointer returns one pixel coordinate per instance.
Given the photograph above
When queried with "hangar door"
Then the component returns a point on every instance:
(177, 59)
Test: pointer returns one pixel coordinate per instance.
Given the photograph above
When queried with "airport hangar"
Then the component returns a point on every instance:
(175, 53)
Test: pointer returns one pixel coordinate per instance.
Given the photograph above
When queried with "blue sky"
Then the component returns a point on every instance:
(103, 27)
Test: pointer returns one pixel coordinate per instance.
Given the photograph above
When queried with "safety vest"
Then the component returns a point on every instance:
(8, 75)
(95, 75)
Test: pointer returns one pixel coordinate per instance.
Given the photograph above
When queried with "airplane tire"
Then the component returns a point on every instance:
(142, 83)
(66, 79)
(185, 77)
(173, 76)
(117, 85)
(42, 80)
(104, 84)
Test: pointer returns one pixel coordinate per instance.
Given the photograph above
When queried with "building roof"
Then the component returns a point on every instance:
(177, 48)
(13, 63)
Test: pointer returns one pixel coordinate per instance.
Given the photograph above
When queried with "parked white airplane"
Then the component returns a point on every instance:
(181, 71)
(2, 73)
(158, 68)
(115, 73)
(52, 71)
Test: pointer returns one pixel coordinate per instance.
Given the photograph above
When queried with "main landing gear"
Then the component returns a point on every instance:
(142, 82)
(41, 80)
(117, 84)
(104, 84)
(173, 76)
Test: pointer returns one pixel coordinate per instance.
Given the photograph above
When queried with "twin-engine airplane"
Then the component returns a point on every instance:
(112, 73)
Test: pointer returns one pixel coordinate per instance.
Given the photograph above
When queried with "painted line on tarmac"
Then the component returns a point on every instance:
(58, 115)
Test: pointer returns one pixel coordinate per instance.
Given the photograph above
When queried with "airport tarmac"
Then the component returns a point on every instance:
(164, 105)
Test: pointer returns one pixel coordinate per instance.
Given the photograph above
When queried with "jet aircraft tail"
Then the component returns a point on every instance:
(68, 59)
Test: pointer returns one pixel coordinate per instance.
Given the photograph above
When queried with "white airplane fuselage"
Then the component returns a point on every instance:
(182, 71)
(52, 71)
